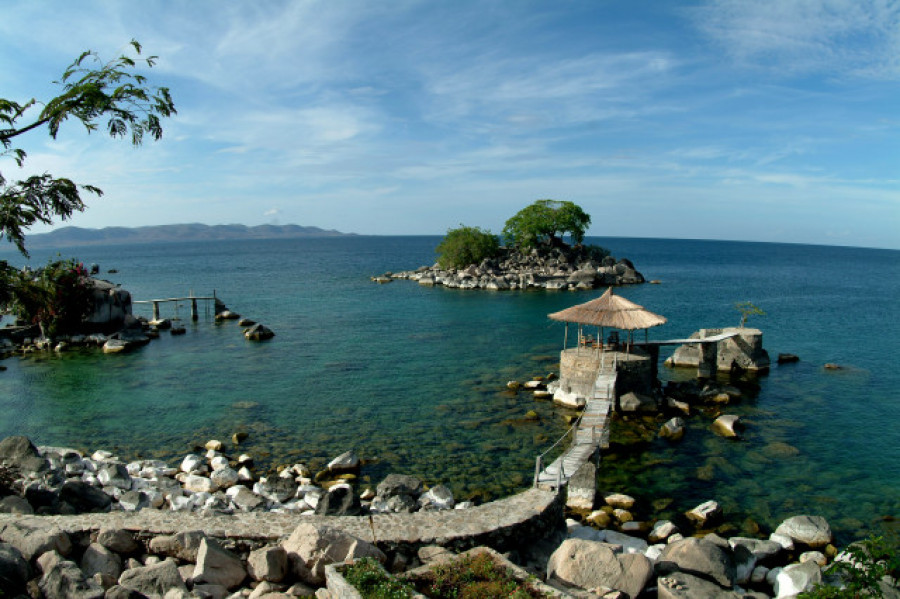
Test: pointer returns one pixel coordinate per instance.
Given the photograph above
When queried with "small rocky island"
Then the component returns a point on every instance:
(557, 267)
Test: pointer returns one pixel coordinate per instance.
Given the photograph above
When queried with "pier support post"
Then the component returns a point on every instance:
(155, 310)
(194, 315)
(706, 368)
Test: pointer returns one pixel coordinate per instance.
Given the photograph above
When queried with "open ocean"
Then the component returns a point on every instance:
(414, 378)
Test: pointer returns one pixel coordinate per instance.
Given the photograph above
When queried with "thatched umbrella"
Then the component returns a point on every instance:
(610, 310)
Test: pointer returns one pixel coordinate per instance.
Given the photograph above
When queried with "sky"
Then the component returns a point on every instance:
(771, 120)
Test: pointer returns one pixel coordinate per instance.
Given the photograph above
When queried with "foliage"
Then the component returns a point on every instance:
(91, 89)
(58, 297)
(545, 221)
(474, 577)
(466, 245)
(748, 309)
(367, 576)
(864, 565)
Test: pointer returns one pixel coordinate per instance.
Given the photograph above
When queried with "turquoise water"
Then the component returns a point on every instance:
(414, 378)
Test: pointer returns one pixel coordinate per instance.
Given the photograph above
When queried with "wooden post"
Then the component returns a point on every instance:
(155, 310)
(194, 315)
(538, 466)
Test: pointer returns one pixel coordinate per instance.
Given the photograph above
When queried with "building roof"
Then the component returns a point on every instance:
(610, 310)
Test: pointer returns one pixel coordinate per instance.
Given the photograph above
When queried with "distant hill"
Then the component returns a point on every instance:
(73, 236)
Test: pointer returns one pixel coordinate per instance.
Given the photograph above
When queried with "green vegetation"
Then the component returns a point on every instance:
(546, 221)
(112, 90)
(466, 245)
(58, 297)
(372, 582)
(867, 563)
(474, 577)
(748, 309)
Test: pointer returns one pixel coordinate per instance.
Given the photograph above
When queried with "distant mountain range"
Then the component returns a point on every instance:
(73, 236)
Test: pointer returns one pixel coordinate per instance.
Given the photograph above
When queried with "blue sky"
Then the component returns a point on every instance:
(765, 120)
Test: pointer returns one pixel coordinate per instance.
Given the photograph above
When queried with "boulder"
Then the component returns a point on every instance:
(346, 462)
(635, 402)
(437, 497)
(114, 474)
(84, 497)
(154, 580)
(399, 484)
(681, 585)
(310, 548)
(97, 559)
(35, 537)
(216, 565)
(64, 580)
(796, 578)
(700, 558)
(340, 500)
(182, 545)
(619, 500)
(705, 514)
(13, 504)
(199, 484)
(226, 477)
(812, 531)
(589, 565)
(277, 490)
(673, 429)
(726, 426)
(118, 540)
(268, 563)
(15, 449)
(14, 569)
(244, 499)
(661, 531)
(191, 463)
(259, 332)
(787, 358)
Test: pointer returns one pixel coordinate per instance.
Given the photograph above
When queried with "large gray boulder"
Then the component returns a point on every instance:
(796, 578)
(681, 585)
(700, 558)
(34, 537)
(399, 484)
(154, 580)
(20, 452)
(591, 565)
(217, 565)
(118, 540)
(635, 402)
(340, 500)
(14, 569)
(813, 531)
(97, 559)
(183, 545)
(83, 497)
(310, 548)
(268, 563)
(64, 580)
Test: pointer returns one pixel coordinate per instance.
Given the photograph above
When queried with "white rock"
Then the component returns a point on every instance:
(102, 456)
(180, 504)
(344, 462)
(191, 463)
(218, 462)
(225, 477)
(244, 474)
(662, 530)
(796, 578)
(619, 500)
(199, 484)
(705, 513)
(785, 541)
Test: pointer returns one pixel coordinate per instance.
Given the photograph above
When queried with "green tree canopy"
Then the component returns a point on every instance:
(546, 221)
(466, 245)
(91, 90)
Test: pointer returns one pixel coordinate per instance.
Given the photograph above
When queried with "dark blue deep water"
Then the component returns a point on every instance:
(414, 378)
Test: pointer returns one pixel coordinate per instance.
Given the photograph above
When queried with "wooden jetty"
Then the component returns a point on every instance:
(192, 298)
(590, 433)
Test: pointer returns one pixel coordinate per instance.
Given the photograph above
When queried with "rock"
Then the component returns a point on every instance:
(16, 449)
(814, 556)
(589, 564)
(115, 346)
(97, 559)
(13, 504)
(833, 366)
(787, 358)
(66, 581)
(199, 484)
(673, 430)
(680, 585)
(213, 445)
(634, 402)
(681, 406)
(812, 531)
(346, 462)
(277, 490)
(34, 537)
(700, 558)
(14, 569)
(245, 500)
(340, 500)
(227, 315)
(153, 580)
(726, 425)
(437, 497)
(84, 497)
(268, 563)
(399, 484)
(619, 500)
(118, 540)
(310, 548)
(216, 565)
(114, 475)
(224, 478)
(705, 514)
(764, 551)
(183, 545)
(191, 463)
(259, 332)
(661, 531)
(532, 416)
(796, 578)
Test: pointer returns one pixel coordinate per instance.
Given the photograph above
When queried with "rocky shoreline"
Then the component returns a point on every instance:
(554, 268)
(607, 552)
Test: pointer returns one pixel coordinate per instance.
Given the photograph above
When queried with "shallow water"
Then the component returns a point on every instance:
(414, 378)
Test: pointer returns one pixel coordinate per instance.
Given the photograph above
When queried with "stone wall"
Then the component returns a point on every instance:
(745, 350)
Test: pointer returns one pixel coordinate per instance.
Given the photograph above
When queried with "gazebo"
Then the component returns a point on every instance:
(607, 311)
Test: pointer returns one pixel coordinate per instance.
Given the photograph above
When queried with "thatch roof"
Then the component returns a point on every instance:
(610, 310)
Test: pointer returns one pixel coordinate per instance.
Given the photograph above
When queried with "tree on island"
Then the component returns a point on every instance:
(466, 245)
(547, 222)
(748, 309)
(112, 90)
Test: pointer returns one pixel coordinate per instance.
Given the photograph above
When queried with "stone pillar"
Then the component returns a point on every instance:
(155, 310)
(706, 368)
(583, 488)
(194, 315)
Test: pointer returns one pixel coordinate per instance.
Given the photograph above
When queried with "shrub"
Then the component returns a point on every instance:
(860, 568)
(474, 577)
(466, 245)
(367, 576)
(58, 297)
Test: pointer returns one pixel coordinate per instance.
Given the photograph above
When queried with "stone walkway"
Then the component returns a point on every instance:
(503, 523)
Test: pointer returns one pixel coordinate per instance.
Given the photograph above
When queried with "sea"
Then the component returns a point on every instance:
(414, 379)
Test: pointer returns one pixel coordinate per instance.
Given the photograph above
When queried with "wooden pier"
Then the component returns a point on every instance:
(191, 298)
(590, 433)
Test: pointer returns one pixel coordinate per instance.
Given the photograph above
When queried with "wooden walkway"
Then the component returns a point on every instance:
(590, 433)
